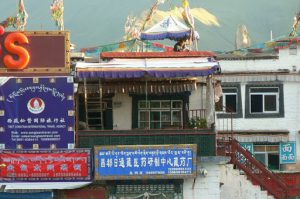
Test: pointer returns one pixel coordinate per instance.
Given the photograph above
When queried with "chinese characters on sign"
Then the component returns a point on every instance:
(45, 165)
(130, 162)
(36, 113)
(287, 152)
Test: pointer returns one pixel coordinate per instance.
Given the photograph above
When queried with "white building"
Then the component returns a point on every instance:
(262, 90)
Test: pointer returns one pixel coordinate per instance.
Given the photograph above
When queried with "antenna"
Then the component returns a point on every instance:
(271, 35)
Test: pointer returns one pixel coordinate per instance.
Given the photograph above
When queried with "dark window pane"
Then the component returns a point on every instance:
(256, 104)
(230, 103)
(155, 116)
(155, 125)
(270, 103)
(176, 104)
(165, 104)
(273, 161)
(155, 104)
(165, 116)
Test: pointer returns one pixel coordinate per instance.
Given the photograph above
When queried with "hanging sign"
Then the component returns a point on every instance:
(287, 152)
(45, 165)
(37, 113)
(34, 52)
(145, 162)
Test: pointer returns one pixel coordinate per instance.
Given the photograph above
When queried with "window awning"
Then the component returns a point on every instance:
(152, 67)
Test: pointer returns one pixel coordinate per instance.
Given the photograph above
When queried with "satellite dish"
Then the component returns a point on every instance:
(242, 39)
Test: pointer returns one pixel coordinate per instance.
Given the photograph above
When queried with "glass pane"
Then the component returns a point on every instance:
(273, 161)
(165, 104)
(155, 116)
(256, 104)
(144, 124)
(178, 124)
(270, 103)
(272, 148)
(176, 116)
(261, 157)
(165, 116)
(165, 124)
(155, 125)
(259, 148)
(155, 104)
(144, 115)
(142, 104)
(230, 103)
(177, 104)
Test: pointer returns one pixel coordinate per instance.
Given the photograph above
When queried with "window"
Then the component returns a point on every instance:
(230, 103)
(264, 101)
(268, 155)
(156, 114)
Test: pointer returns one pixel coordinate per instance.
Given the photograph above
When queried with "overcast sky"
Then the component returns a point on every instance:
(100, 22)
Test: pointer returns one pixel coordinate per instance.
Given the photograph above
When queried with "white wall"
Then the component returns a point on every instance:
(198, 98)
(285, 61)
(235, 185)
(205, 187)
(122, 114)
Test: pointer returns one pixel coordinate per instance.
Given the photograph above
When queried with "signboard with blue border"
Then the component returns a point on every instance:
(145, 162)
(287, 152)
(37, 112)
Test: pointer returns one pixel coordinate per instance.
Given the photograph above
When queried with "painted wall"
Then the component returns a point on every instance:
(198, 97)
(122, 103)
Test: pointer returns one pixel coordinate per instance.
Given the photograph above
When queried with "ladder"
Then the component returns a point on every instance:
(94, 107)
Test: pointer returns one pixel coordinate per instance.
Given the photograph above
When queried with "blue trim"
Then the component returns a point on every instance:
(152, 73)
(165, 35)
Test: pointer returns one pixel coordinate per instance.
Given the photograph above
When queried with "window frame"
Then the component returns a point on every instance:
(239, 110)
(264, 94)
(265, 114)
(267, 152)
(159, 109)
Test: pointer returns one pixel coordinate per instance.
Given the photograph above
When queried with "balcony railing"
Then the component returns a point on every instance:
(204, 138)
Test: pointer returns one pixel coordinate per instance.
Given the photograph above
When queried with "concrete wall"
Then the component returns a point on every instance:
(235, 185)
(207, 187)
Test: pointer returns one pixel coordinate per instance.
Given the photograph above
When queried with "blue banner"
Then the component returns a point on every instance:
(132, 162)
(287, 152)
(34, 195)
(36, 112)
